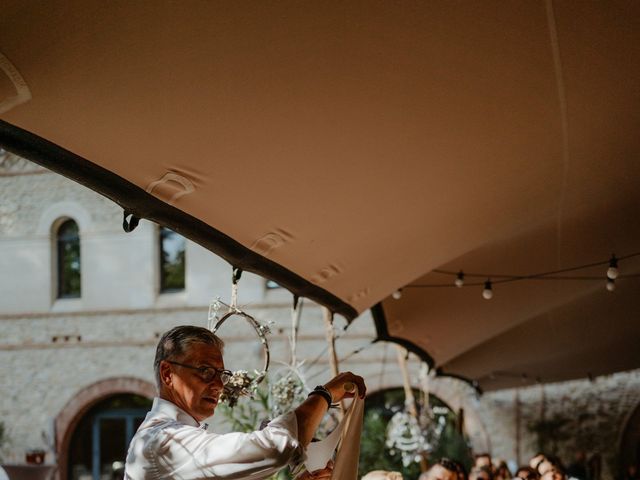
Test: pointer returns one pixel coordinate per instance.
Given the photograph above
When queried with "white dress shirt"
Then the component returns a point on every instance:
(171, 444)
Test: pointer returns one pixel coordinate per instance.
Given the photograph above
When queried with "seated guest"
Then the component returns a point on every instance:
(527, 473)
(631, 473)
(536, 461)
(481, 473)
(553, 471)
(460, 470)
(444, 469)
(482, 460)
(502, 472)
(382, 475)
(578, 469)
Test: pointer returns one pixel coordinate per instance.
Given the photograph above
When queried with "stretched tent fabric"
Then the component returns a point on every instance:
(348, 150)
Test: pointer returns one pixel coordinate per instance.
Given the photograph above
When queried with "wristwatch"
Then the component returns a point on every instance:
(324, 393)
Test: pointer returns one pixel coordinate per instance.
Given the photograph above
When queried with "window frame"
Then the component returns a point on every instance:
(60, 252)
(162, 288)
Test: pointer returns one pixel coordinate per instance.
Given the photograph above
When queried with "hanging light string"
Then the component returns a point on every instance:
(311, 364)
(551, 275)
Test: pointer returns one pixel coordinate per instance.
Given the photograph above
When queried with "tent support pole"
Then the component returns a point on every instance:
(327, 316)
(409, 399)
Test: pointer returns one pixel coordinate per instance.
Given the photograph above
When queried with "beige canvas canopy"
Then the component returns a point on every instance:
(349, 149)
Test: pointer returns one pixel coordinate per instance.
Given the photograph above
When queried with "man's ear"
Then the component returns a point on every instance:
(165, 374)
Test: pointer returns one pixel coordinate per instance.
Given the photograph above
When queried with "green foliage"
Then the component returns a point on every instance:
(247, 415)
(374, 455)
(173, 271)
(452, 444)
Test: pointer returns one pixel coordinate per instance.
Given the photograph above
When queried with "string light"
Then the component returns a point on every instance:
(612, 271)
(611, 284)
(559, 274)
(487, 293)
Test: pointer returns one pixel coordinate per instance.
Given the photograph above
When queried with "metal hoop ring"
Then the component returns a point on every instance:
(259, 330)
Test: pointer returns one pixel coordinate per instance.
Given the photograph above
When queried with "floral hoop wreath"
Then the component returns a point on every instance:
(241, 382)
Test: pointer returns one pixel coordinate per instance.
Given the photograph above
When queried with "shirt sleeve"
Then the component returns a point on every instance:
(188, 453)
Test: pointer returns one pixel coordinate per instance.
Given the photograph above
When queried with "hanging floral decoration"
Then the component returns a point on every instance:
(414, 435)
(241, 383)
(405, 435)
(287, 391)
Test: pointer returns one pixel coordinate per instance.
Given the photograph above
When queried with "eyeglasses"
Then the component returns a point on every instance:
(207, 374)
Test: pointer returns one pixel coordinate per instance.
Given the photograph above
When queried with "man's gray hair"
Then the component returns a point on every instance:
(174, 343)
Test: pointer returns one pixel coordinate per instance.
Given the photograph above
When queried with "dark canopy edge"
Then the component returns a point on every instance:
(135, 200)
(380, 320)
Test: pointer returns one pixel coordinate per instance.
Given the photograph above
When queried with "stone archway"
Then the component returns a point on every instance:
(459, 396)
(81, 403)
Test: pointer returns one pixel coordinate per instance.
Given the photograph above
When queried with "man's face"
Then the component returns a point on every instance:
(185, 386)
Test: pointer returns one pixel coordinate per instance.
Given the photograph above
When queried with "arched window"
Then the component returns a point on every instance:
(68, 255)
(172, 261)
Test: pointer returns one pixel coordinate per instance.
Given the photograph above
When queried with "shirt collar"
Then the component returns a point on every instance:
(171, 410)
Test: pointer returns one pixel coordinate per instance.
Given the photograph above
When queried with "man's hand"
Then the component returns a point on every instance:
(342, 386)
(322, 474)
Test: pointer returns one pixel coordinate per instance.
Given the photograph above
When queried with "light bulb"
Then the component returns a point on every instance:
(397, 295)
(612, 271)
(459, 282)
(611, 285)
(487, 293)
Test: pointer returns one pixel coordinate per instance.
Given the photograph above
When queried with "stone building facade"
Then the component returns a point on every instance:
(61, 356)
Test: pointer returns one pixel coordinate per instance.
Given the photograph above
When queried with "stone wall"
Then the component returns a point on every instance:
(592, 414)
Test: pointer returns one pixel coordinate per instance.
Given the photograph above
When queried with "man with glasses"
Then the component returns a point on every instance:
(173, 443)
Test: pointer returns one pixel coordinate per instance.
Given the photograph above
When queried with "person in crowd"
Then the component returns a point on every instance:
(481, 473)
(173, 441)
(578, 469)
(482, 460)
(460, 470)
(382, 475)
(594, 466)
(444, 469)
(552, 469)
(631, 473)
(502, 472)
(526, 473)
(536, 461)
(541, 463)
